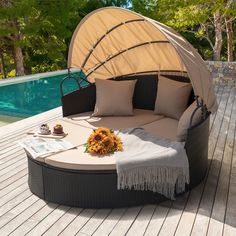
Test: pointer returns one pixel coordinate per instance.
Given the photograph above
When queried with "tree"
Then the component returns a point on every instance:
(11, 33)
(230, 14)
(2, 65)
(206, 19)
(218, 21)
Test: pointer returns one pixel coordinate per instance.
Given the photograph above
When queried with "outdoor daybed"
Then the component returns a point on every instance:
(117, 44)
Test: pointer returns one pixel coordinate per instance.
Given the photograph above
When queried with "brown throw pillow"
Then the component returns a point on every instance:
(172, 97)
(114, 98)
(184, 121)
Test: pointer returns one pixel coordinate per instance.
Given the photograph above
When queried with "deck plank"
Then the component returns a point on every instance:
(11, 219)
(13, 172)
(78, 222)
(173, 216)
(49, 220)
(8, 155)
(14, 185)
(63, 222)
(230, 216)
(7, 182)
(12, 203)
(219, 208)
(18, 225)
(90, 227)
(219, 97)
(14, 194)
(27, 220)
(109, 223)
(12, 167)
(189, 214)
(201, 223)
(9, 148)
(158, 218)
(126, 221)
(140, 224)
(15, 159)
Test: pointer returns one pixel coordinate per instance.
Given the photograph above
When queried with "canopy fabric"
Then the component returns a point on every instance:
(111, 42)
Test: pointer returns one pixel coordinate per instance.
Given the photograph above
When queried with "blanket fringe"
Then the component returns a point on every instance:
(164, 180)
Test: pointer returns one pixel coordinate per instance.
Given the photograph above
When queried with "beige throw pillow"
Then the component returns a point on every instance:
(114, 98)
(172, 97)
(184, 121)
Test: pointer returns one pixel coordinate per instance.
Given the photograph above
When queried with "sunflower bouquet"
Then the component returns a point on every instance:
(103, 141)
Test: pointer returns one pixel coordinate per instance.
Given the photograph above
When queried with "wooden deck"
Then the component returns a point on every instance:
(209, 209)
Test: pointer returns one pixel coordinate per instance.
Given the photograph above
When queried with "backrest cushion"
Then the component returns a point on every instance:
(184, 121)
(114, 98)
(172, 97)
(145, 91)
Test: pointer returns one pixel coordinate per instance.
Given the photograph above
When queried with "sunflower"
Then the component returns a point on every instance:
(103, 131)
(108, 142)
(103, 141)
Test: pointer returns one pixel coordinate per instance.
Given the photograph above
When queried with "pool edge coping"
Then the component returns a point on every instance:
(27, 78)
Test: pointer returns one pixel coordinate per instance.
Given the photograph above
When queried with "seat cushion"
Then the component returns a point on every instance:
(172, 97)
(114, 98)
(80, 126)
(164, 128)
(141, 117)
(77, 159)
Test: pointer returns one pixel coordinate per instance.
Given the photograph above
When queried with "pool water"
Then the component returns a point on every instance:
(29, 98)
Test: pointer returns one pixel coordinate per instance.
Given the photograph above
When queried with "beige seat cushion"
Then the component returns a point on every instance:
(114, 98)
(172, 97)
(164, 128)
(141, 117)
(184, 121)
(80, 126)
(76, 134)
(77, 159)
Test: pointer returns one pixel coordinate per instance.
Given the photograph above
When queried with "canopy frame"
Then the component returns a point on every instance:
(123, 51)
(78, 79)
(104, 35)
(183, 73)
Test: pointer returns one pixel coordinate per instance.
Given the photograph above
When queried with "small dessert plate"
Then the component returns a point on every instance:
(59, 135)
(51, 135)
(39, 132)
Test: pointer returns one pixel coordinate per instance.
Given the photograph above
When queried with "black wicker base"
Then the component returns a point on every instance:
(87, 189)
(98, 189)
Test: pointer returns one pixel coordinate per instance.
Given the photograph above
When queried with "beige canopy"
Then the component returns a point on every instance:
(113, 41)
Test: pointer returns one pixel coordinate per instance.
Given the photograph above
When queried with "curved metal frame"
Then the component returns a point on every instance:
(123, 51)
(184, 74)
(78, 80)
(202, 106)
(103, 36)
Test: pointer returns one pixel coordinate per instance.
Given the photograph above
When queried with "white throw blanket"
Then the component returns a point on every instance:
(151, 163)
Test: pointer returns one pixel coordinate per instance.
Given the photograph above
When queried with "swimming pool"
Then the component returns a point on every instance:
(31, 97)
